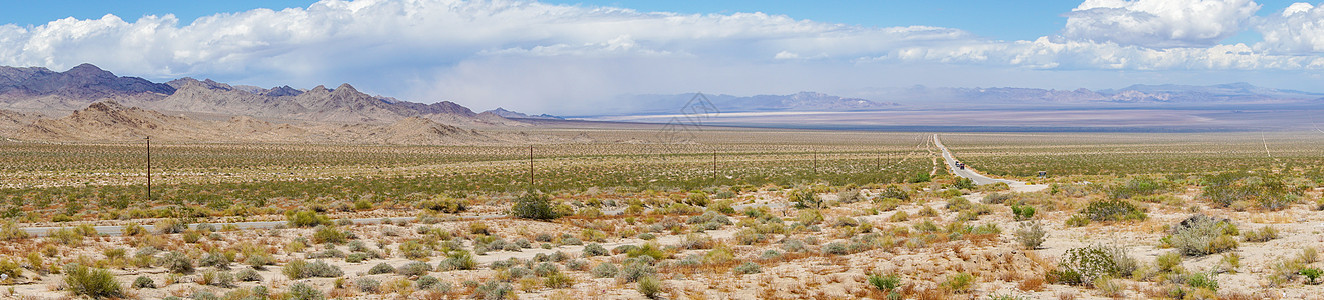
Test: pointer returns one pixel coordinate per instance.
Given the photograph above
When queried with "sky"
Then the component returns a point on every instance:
(574, 56)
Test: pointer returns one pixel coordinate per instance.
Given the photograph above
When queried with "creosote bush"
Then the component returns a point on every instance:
(306, 218)
(91, 282)
(1202, 235)
(1085, 265)
(1113, 210)
(534, 206)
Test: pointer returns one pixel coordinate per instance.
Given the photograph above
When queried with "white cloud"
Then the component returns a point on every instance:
(1298, 29)
(1159, 23)
(491, 53)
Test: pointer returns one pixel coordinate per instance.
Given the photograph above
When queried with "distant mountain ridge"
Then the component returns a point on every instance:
(519, 115)
(57, 93)
(1232, 93)
(802, 101)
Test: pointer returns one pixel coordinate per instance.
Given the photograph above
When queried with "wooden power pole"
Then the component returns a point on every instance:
(149, 169)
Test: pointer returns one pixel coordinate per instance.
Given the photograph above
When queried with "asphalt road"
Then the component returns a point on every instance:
(979, 179)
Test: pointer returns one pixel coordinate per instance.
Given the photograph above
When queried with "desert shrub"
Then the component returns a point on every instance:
(306, 218)
(1267, 191)
(170, 225)
(958, 203)
(1085, 265)
(133, 229)
(604, 270)
(302, 291)
(67, 237)
(220, 279)
(1113, 210)
(1264, 234)
(1202, 235)
(458, 260)
(647, 249)
(849, 196)
(636, 268)
(1022, 213)
(413, 269)
(300, 269)
(382, 268)
(214, 259)
(918, 177)
(357, 257)
(594, 249)
(649, 286)
(886, 283)
(1139, 186)
(328, 234)
(1077, 220)
(248, 274)
(444, 204)
(558, 280)
(427, 282)
(258, 260)
(367, 285)
(176, 262)
(963, 183)
(493, 290)
(1312, 275)
(998, 198)
(10, 231)
(835, 248)
(1169, 262)
(534, 206)
(894, 192)
(1201, 281)
(748, 268)
(144, 282)
(806, 198)
(1030, 235)
(960, 282)
(414, 250)
(91, 282)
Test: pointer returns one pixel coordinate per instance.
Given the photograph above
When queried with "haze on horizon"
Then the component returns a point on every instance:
(574, 58)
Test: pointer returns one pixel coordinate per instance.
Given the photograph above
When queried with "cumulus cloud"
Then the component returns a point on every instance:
(1298, 29)
(523, 54)
(1159, 23)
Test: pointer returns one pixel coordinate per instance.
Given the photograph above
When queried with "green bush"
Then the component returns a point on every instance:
(886, 283)
(534, 206)
(963, 183)
(594, 249)
(144, 282)
(367, 285)
(413, 269)
(649, 286)
(1085, 265)
(176, 262)
(1264, 234)
(91, 282)
(306, 218)
(1022, 213)
(414, 250)
(302, 291)
(805, 198)
(382, 268)
(10, 231)
(1139, 186)
(1201, 235)
(1312, 275)
(328, 234)
(1030, 235)
(1113, 210)
(248, 274)
(168, 226)
(1268, 191)
(458, 260)
(300, 269)
(604, 270)
(748, 268)
(444, 204)
(894, 192)
(960, 283)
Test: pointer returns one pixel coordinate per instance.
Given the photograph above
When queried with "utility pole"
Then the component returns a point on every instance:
(530, 168)
(714, 167)
(149, 168)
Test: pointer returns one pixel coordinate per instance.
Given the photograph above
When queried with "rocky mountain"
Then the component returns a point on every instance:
(519, 115)
(108, 121)
(59, 93)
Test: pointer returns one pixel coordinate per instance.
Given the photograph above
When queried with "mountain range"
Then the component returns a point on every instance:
(1220, 94)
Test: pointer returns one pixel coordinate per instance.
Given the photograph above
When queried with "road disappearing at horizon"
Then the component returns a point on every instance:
(980, 179)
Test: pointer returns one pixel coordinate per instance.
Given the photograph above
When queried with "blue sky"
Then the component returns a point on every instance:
(569, 56)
